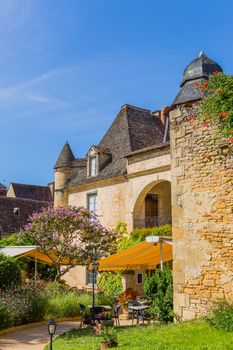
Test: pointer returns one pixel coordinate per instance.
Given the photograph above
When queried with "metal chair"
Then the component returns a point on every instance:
(144, 315)
(116, 312)
(83, 313)
(131, 312)
(98, 310)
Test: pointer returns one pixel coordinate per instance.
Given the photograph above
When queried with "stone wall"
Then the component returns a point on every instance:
(122, 201)
(129, 280)
(202, 216)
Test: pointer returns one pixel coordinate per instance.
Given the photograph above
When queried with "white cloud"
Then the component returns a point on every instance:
(18, 89)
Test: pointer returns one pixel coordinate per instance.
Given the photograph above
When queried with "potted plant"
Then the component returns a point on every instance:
(107, 319)
(127, 296)
(108, 337)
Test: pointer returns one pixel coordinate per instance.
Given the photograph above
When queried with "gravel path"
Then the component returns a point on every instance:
(32, 338)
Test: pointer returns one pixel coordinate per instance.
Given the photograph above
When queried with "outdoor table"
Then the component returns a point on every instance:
(137, 309)
(106, 307)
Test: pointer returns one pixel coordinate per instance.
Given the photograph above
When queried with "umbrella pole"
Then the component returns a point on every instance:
(161, 254)
(35, 275)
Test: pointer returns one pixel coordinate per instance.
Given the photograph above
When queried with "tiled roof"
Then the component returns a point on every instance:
(14, 212)
(133, 129)
(39, 193)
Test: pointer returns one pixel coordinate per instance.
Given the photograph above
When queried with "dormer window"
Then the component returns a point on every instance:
(92, 162)
(97, 158)
(93, 166)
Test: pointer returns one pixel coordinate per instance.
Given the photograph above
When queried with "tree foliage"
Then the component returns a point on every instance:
(158, 289)
(70, 233)
(139, 235)
(110, 283)
(16, 240)
(10, 273)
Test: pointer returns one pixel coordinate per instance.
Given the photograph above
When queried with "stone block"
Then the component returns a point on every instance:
(188, 315)
(178, 277)
(209, 282)
(180, 299)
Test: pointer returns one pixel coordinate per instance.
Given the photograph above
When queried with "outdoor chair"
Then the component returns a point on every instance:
(131, 313)
(116, 312)
(98, 313)
(83, 314)
(144, 315)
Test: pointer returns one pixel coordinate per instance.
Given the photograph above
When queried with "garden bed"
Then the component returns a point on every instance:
(193, 335)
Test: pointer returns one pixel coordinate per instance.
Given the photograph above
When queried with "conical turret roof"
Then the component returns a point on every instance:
(65, 158)
(200, 68)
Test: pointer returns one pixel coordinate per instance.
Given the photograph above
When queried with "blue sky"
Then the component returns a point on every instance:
(66, 67)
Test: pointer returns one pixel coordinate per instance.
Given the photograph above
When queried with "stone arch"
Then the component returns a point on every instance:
(156, 191)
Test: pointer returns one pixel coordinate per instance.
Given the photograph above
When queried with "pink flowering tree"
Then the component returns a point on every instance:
(68, 234)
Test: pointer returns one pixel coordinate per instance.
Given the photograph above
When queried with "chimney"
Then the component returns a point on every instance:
(164, 114)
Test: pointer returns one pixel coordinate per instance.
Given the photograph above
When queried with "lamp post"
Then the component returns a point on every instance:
(51, 329)
(94, 269)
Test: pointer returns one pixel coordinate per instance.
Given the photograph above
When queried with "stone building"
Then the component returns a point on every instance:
(126, 177)
(18, 203)
(202, 203)
(134, 176)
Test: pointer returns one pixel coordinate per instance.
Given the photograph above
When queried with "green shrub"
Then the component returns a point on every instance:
(222, 315)
(139, 235)
(103, 299)
(142, 233)
(38, 300)
(110, 283)
(25, 305)
(6, 320)
(63, 305)
(15, 239)
(55, 288)
(158, 290)
(10, 273)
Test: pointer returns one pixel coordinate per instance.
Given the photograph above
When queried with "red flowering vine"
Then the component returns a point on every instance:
(217, 104)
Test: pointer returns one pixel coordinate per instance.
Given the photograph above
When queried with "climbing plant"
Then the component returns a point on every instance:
(216, 107)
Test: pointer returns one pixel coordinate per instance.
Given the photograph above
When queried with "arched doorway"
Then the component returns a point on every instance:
(153, 205)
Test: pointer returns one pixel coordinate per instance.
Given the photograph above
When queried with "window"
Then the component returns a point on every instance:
(90, 277)
(93, 166)
(92, 202)
(139, 278)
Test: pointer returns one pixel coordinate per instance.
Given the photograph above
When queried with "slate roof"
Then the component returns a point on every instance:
(65, 158)
(200, 68)
(3, 190)
(133, 129)
(39, 193)
(150, 148)
(10, 222)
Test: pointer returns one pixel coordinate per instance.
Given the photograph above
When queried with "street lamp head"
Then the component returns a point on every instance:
(152, 239)
(95, 265)
(52, 327)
